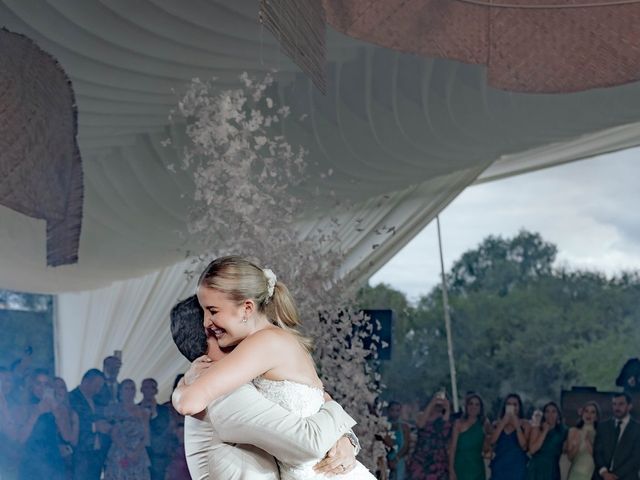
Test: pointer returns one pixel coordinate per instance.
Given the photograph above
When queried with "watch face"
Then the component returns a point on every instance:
(353, 439)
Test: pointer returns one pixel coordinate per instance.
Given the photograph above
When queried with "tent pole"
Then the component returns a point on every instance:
(447, 323)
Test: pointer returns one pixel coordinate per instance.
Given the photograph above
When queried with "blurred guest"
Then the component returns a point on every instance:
(400, 442)
(176, 418)
(177, 468)
(9, 448)
(68, 418)
(546, 444)
(127, 458)
(617, 444)
(469, 441)
(21, 370)
(109, 393)
(89, 455)
(430, 460)
(510, 441)
(160, 432)
(580, 443)
(43, 425)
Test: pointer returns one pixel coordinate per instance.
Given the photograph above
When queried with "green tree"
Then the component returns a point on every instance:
(498, 264)
(518, 325)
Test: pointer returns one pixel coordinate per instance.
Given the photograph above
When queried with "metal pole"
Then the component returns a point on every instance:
(447, 323)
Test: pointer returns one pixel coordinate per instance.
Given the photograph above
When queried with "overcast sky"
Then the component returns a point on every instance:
(590, 209)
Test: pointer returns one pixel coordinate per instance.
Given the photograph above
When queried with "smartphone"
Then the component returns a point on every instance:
(118, 354)
(66, 450)
(536, 418)
(441, 395)
(48, 394)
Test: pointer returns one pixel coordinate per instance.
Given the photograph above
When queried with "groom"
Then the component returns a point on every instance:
(238, 436)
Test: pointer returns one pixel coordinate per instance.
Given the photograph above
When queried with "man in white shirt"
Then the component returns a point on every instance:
(238, 436)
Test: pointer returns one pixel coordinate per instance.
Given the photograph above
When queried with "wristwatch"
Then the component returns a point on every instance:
(354, 441)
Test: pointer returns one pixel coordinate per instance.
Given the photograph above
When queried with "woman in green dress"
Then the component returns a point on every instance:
(469, 441)
(546, 445)
(580, 443)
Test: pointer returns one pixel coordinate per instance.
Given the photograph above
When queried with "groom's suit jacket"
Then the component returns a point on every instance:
(239, 434)
(625, 457)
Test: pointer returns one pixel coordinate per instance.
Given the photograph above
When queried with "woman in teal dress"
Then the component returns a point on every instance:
(469, 441)
(396, 459)
(580, 443)
(546, 445)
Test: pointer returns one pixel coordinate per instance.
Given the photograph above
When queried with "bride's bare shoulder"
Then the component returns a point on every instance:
(275, 336)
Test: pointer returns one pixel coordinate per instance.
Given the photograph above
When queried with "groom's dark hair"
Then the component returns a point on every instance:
(187, 329)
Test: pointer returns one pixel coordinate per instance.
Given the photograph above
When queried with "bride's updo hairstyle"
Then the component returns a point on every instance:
(241, 279)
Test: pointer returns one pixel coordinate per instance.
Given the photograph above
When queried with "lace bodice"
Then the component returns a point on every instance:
(302, 400)
(298, 398)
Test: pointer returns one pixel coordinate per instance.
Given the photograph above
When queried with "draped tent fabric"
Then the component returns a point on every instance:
(40, 164)
(402, 135)
(389, 122)
(552, 46)
(130, 315)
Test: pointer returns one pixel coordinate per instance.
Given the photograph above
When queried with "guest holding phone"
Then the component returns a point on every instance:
(430, 460)
(43, 425)
(510, 441)
(546, 444)
(580, 443)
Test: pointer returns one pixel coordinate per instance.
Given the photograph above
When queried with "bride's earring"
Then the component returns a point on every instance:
(244, 319)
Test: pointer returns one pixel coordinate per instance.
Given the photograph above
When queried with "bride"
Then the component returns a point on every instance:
(247, 308)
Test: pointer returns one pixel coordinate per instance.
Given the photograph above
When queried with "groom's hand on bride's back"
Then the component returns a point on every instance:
(339, 460)
(197, 368)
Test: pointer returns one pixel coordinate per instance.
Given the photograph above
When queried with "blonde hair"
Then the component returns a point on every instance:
(241, 279)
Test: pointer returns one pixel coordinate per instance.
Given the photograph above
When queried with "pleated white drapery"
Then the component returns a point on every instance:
(132, 316)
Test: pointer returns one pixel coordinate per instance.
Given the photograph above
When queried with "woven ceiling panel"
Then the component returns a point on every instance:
(40, 164)
(525, 49)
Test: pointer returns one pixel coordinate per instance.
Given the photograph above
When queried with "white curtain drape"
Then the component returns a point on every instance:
(389, 122)
(132, 316)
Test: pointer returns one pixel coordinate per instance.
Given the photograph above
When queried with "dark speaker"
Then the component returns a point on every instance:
(382, 327)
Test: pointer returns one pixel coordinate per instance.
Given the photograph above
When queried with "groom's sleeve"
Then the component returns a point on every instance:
(246, 416)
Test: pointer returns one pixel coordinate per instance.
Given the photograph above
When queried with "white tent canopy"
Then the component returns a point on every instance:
(402, 134)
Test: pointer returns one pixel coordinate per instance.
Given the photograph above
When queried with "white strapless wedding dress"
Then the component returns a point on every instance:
(302, 400)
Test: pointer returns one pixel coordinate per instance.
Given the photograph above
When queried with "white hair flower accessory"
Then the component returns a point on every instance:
(271, 281)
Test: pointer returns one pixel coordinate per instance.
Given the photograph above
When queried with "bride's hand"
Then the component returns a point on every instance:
(341, 459)
(196, 369)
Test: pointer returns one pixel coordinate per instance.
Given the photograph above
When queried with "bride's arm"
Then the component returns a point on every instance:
(254, 356)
